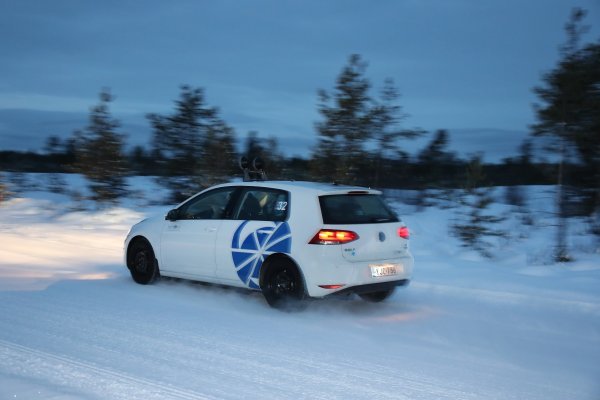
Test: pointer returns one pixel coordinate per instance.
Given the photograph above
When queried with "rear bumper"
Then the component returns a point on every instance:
(325, 276)
(371, 287)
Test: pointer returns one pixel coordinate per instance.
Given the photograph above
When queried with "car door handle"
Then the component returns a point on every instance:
(211, 229)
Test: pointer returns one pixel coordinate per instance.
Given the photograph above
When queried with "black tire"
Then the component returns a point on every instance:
(282, 285)
(142, 262)
(376, 297)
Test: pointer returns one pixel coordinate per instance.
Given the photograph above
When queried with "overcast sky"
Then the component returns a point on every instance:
(463, 65)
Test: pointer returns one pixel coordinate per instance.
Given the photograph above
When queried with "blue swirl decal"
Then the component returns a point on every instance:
(250, 252)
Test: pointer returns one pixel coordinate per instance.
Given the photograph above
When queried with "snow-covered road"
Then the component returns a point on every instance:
(113, 339)
(77, 327)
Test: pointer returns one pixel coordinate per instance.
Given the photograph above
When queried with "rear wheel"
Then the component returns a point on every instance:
(282, 285)
(376, 297)
(142, 263)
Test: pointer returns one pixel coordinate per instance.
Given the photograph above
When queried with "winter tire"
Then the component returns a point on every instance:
(282, 285)
(142, 263)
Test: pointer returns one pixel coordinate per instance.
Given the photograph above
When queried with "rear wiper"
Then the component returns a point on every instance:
(381, 220)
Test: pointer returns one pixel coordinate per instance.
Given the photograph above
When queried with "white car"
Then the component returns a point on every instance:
(290, 240)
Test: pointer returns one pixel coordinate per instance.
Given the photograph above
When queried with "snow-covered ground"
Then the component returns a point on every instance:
(73, 325)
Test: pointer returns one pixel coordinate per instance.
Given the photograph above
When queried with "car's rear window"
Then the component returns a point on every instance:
(355, 209)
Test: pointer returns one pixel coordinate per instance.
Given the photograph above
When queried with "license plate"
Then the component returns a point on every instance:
(378, 270)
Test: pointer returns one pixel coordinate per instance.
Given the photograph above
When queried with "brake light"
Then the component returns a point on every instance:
(403, 232)
(329, 236)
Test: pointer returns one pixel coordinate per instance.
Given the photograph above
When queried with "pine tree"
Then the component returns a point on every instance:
(53, 145)
(569, 112)
(268, 151)
(436, 165)
(435, 159)
(347, 124)
(476, 224)
(358, 131)
(387, 130)
(570, 115)
(219, 159)
(99, 152)
(193, 146)
(4, 193)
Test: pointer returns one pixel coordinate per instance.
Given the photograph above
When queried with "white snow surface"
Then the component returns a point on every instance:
(73, 325)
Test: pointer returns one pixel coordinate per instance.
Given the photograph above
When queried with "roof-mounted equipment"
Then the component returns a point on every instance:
(253, 171)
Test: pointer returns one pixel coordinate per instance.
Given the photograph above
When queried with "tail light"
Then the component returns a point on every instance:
(329, 236)
(403, 232)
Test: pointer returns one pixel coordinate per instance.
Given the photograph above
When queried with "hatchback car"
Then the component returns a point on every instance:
(290, 240)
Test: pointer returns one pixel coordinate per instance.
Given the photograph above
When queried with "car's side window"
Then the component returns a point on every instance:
(263, 204)
(210, 205)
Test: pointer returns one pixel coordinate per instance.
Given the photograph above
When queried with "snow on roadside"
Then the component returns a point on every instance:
(73, 325)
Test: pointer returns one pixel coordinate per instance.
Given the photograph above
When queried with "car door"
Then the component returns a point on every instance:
(257, 229)
(189, 237)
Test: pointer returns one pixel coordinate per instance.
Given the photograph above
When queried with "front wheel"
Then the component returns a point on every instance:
(142, 263)
(282, 285)
(376, 297)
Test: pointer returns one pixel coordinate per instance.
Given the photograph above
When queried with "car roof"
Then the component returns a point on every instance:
(318, 188)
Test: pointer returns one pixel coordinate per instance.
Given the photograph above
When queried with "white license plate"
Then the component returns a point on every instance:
(378, 270)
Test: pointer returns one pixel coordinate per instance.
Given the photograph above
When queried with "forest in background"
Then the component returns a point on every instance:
(360, 139)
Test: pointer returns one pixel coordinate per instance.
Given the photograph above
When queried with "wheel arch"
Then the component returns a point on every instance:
(274, 258)
(134, 241)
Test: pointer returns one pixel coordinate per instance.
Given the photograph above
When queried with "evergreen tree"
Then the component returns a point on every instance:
(569, 112)
(53, 145)
(99, 152)
(193, 146)
(254, 146)
(435, 159)
(220, 158)
(435, 170)
(522, 171)
(3, 189)
(347, 124)
(387, 131)
(476, 224)
(268, 151)
(137, 159)
(358, 131)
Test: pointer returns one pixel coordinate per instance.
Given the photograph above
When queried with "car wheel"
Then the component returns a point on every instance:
(282, 286)
(142, 263)
(376, 297)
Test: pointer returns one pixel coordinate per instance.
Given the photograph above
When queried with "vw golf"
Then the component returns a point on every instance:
(290, 240)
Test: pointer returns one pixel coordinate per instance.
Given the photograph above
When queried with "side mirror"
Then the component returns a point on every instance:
(172, 215)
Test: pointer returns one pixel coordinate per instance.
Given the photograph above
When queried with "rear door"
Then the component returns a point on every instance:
(258, 228)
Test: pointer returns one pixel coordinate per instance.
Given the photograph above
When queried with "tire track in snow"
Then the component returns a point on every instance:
(334, 377)
(88, 378)
(511, 297)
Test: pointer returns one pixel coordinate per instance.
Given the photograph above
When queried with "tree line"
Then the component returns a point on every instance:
(359, 139)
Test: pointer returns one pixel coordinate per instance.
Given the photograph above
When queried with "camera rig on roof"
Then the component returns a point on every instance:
(253, 171)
